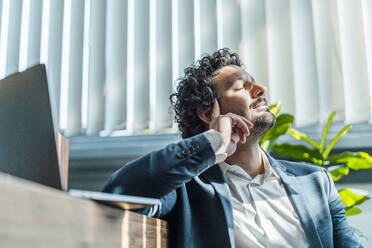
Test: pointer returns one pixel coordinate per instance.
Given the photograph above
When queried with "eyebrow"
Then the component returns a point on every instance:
(250, 78)
(244, 77)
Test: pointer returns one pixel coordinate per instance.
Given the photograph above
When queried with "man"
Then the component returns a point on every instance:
(217, 186)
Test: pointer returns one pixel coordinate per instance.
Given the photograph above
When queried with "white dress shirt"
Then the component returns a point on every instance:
(262, 211)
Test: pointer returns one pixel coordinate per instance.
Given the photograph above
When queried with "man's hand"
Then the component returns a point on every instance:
(233, 128)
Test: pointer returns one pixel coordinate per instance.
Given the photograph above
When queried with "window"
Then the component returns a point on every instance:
(112, 64)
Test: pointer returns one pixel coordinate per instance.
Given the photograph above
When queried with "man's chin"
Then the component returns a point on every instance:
(263, 123)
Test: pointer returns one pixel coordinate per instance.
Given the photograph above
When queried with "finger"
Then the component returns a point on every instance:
(237, 121)
(237, 130)
(248, 122)
(235, 137)
(241, 135)
(243, 127)
(215, 110)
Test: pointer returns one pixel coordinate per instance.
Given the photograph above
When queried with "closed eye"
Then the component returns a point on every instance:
(239, 89)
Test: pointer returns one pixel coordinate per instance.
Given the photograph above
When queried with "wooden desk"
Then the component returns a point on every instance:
(33, 215)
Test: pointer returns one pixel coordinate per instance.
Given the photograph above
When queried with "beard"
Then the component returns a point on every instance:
(262, 123)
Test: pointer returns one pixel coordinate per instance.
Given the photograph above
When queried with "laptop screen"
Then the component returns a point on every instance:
(27, 141)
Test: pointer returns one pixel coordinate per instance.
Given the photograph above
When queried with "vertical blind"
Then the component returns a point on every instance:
(112, 64)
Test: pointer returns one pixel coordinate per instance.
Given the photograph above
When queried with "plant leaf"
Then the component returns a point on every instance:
(335, 140)
(339, 172)
(352, 211)
(355, 161)
(265, 146)
(283, 122)
(302, 136)
(351, 199)
(264, 140)
(325, 130)
(298, 152)
(275, 108)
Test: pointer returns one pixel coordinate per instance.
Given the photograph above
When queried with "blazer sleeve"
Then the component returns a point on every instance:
(159, 173)
(343, 234)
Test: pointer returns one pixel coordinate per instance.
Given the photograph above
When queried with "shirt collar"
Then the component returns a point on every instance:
(269, 172)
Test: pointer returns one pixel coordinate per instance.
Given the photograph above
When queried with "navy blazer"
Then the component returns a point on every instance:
(196, 200)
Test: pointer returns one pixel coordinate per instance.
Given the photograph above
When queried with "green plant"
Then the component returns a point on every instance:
(282, 124)
(338, 165)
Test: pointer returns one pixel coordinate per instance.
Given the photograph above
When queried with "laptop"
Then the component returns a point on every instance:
(27, 141)
(27, 138)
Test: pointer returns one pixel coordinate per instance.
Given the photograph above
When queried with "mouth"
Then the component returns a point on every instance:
(260, 105)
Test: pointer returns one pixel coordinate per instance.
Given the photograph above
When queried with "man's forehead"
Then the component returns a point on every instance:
(230, 73)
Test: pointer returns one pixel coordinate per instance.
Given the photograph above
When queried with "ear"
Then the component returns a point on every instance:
(215, 113)
(202, 116)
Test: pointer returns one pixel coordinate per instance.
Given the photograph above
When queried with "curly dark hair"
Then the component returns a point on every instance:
(196, 90)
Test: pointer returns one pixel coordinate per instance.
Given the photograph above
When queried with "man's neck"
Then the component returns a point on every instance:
(248, 157)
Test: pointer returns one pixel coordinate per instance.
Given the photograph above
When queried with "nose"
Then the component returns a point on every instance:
(258, 90)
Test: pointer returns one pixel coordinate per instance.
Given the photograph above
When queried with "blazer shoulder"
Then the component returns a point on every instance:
(301, 168)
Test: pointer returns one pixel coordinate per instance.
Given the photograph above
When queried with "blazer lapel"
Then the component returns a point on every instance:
(296, 196)
(214, 176)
